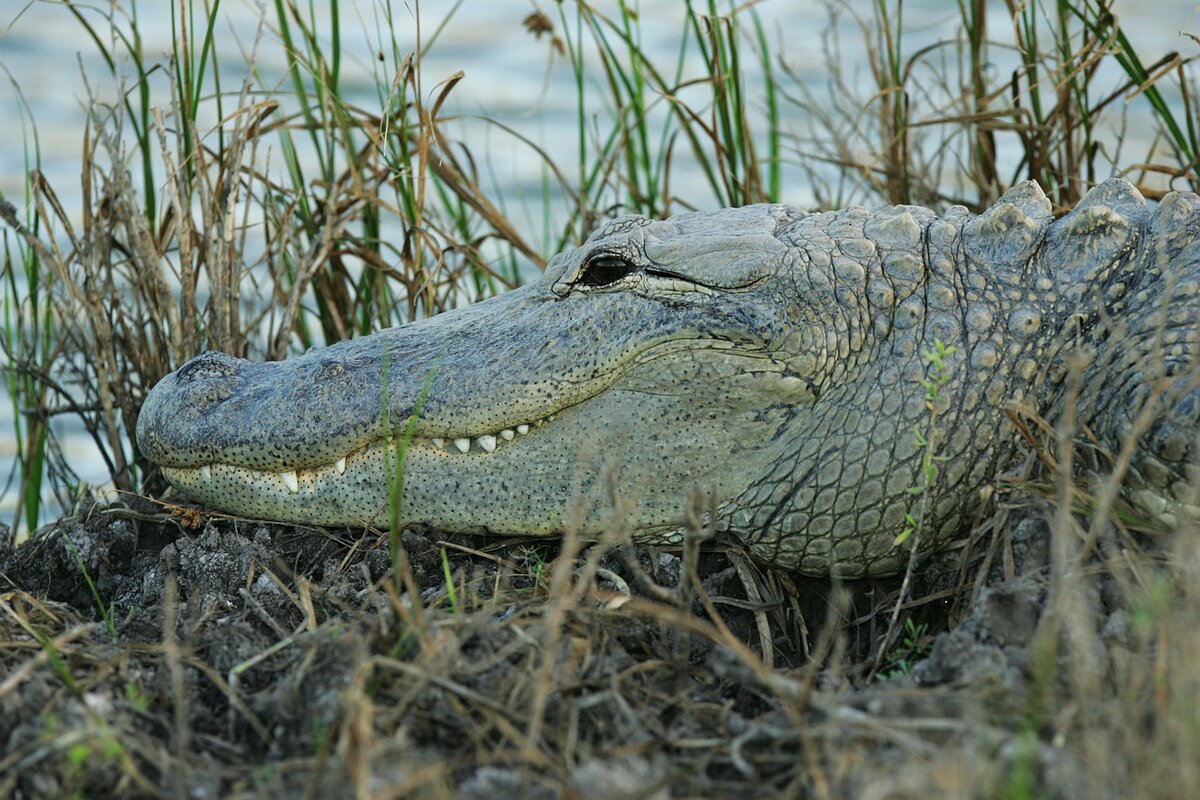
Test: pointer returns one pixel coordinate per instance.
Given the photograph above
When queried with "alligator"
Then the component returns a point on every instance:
(827, 378)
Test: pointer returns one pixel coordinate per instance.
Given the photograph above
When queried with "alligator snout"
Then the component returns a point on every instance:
(217, 408)
(183, 397)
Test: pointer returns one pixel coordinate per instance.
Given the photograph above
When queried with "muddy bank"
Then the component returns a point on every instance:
(142, 656)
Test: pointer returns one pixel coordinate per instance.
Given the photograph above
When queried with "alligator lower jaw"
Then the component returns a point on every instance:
(296, 481)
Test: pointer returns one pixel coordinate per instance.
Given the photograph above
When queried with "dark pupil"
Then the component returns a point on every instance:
(605, 270)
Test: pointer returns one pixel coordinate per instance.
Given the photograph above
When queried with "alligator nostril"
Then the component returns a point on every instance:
(208, 365)
(211, 394)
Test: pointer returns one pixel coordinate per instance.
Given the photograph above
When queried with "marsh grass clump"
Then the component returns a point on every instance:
(148, 649)
(958, 118)
(285, 222)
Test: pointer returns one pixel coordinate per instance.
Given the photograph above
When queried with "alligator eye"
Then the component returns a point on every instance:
(605, 270)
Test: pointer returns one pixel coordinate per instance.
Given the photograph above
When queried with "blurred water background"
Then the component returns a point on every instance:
(50, 67)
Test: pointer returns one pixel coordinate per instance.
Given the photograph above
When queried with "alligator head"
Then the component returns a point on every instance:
(655, 358)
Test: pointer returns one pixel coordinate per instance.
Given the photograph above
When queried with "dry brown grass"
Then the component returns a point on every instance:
(289, 662)
(960, 119)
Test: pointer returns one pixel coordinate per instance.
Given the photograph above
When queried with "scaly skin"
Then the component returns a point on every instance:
(771, 356)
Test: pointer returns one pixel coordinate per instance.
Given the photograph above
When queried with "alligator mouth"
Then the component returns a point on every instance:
(308, 479)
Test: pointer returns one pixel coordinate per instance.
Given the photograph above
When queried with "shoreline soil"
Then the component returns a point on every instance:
(255, 659)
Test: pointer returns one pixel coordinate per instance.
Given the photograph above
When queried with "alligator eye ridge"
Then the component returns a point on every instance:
(209, 364)
(605, 270)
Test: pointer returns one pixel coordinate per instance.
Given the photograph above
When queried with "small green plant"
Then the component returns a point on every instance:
(1020, 781)
(406, 645)
(537, 567)
(937, 376)
(107, 612)
(136, 696)
(914, 644)
(80, 753)
(61, 668)
(399, 450)
(1153, 604)
(83, 745)
(451, 589)
(321, 732)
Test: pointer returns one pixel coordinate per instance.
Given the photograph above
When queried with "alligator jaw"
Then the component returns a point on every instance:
(345, 487)
(307, 479)
(541, 477)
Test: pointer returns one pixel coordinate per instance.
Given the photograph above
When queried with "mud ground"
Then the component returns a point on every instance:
(150, 654)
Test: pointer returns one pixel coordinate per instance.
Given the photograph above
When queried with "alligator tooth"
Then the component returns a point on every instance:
(488, 443)
(507, 434)
(206, 473)
(292, 481)
(463, 445)
(522, 428)
(438, 442)
(340, 465)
